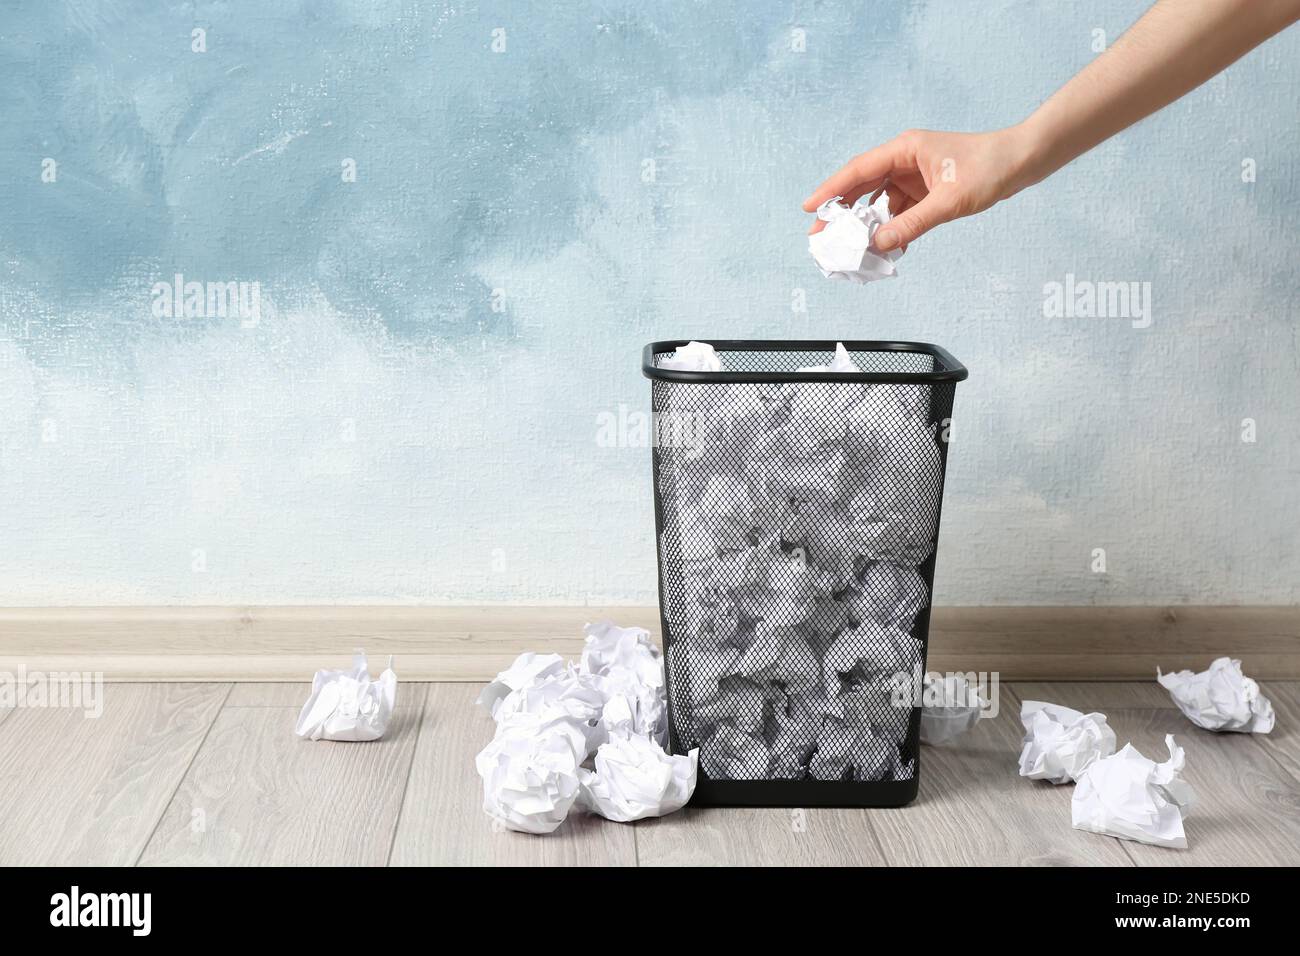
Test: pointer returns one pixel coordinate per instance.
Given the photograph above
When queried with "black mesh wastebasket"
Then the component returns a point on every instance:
(796, 515)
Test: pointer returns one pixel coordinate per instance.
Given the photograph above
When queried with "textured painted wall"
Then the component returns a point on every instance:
(465, 219)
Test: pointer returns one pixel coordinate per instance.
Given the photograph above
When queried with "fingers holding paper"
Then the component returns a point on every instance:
(930, 178)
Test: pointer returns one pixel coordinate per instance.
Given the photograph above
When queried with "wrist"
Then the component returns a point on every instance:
(1028, 149)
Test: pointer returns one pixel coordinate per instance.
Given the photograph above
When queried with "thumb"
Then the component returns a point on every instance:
(911, 225)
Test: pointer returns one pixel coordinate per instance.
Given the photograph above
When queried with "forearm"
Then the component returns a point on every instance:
(1174, 47)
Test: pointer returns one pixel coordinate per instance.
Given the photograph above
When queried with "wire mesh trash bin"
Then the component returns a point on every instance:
(796, 515)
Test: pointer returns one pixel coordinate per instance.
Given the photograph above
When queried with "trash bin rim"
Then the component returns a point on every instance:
(952, 371)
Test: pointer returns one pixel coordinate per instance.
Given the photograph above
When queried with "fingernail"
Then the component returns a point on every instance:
(886, 239)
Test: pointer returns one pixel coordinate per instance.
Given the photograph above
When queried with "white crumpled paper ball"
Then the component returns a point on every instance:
(693, 357)
(890, 593)
(952, 707)
(567, 694)
(635, 779)
(840, 362)
(628, 670)
(845, 248)
(528, 668)
(1060, 743)
(731, 754)
(530, 771)
(347, 704)
(1131, 797)
(1221, 698)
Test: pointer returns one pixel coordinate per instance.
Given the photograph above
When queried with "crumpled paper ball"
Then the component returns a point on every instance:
(779, 655)
(530, 771)
(952, 706)
(845, 249)
(729, 753)
(789, 464)
(842, 362)
(629, 671)
(567, 694)
(737, 702)
(816, 529)
(700, 665)
(869, 650)
(724, 517)
(796, 724)
(347, 704)
(1060, 742)
(893, 517)
(527, 669)
(1131, 797)
(1221, 698)
(635, 779)
(889, 593)
(693, 357)
(855, 747)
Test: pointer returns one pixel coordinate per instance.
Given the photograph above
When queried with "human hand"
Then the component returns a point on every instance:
(932, 178)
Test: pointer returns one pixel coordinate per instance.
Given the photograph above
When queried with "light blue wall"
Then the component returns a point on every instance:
(383, 433)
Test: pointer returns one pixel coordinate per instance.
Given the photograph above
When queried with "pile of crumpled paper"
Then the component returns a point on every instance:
(590, 735)
(1120, 794)
(797, 517)
(1125, 794)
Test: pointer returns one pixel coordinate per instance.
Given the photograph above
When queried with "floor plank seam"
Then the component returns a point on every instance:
(180, 780)
(410, 769)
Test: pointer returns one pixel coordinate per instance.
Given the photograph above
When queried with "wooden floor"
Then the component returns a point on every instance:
(212, 774)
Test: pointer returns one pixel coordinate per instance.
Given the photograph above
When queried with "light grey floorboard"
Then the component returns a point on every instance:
(89, 791)
(720, 836)
(1283, 744)
(258, 795)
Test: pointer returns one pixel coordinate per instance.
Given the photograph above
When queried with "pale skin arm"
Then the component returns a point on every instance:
(934, 177)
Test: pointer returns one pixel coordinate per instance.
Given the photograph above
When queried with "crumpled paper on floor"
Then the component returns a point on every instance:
(952, 706)
(635, 779)
(1060, 743)
(347, 704)
(1221, 698)
(693, 357)
(530, 771)
(845, 249)
(567, 694)
(528, 668)
(628, 670)
(1131, 797)
(556, 720)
